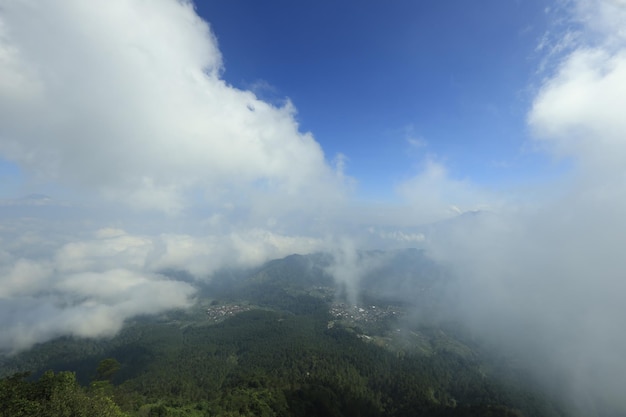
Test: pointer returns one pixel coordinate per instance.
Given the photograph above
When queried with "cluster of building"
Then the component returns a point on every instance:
(222, 312)
(362, 314)
(341, 312)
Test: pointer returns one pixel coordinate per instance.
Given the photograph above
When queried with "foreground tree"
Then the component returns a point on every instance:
(53, 395)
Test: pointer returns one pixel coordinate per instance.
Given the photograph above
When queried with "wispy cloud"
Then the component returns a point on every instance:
(434, 194)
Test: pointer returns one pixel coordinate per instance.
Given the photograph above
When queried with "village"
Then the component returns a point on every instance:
(362, 314)
(353, 314)
(222, 312)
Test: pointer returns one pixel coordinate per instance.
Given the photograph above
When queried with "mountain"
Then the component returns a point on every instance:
(283, 340)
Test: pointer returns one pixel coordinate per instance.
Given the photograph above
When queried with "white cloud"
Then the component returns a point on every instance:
(602, 20)
(579, 111)
(202, 256)
(348, 266)
(399, 236)
(546, 284)
(546, 279)
(127, 101)
(104, 252)
(434, 195)
(124, 106)
(99, 307)
(22, 277)
(88, 285)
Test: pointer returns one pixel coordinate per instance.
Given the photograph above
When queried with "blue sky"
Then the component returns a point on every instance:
(268, 109)
(367, 76)
(389, 86)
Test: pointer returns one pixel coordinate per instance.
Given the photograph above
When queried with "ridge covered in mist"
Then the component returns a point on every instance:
(286, 338)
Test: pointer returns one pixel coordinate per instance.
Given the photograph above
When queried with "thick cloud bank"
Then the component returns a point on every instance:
(549, 280)
(57, 280)
(123, 106)
(127, 101)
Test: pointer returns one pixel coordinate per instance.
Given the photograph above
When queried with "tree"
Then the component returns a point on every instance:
(107, 368)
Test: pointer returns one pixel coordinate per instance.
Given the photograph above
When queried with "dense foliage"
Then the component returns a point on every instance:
(55, 395)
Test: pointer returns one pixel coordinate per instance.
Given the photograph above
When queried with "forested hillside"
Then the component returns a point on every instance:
(275, 341)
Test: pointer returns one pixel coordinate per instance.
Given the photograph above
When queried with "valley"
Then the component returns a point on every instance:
(282, 340)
